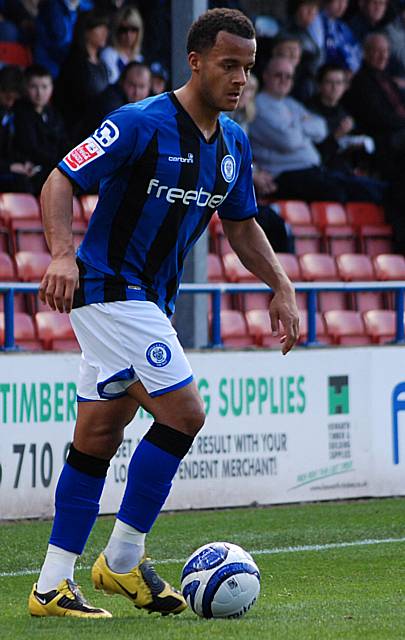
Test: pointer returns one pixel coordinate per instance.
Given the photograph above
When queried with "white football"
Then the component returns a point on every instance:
(220, 580)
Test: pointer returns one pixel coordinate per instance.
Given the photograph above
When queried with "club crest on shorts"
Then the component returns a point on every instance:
(228, 168)
(158, 354)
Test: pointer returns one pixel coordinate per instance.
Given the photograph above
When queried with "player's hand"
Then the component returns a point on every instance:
(283, 310)
(59, 283)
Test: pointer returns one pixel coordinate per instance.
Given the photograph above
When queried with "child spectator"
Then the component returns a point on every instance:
(15, 171)
(341, 149)
(83, 75)
(126, 45)
(39, 130)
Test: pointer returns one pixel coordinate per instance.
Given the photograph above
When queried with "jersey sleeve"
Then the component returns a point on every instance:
(106, 150)
(240, 203)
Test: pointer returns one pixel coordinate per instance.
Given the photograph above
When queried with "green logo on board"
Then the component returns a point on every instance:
(338, 394)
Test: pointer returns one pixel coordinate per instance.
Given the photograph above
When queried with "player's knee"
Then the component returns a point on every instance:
(192, 421)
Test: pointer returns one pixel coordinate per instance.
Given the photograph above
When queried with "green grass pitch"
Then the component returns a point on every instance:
(329, 571)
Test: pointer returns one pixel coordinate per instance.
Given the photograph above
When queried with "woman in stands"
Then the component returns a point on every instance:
(126, 44)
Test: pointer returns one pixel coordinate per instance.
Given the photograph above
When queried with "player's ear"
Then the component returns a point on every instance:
(194, 60)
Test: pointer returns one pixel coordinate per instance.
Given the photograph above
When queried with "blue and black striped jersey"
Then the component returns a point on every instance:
(160, 182)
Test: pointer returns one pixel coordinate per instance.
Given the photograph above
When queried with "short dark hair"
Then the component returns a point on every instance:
(36, 71)
(11, 79)
(328, 68)
(134, 64)
(203, 32)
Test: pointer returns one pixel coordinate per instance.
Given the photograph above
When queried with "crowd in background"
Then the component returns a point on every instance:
(324, 110)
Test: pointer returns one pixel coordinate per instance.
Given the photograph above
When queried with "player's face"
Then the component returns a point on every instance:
(222, 72)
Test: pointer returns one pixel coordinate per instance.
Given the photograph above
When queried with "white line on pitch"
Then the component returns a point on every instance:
(254, 552)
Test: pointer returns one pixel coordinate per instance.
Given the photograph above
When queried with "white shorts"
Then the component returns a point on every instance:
(123, 342)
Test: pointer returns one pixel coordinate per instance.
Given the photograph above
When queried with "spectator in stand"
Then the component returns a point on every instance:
(134, 84)
(23, 13)
(371, 16)
(54, 31)
(341, 46)
(283, 136)
(127, 35)
(378, 105)
(39, 130)
(160, 78)
(340, 149)
(15, 170)
(305, 25)
(83, 75)
(288, 46)
(395, 32)
(278, 233)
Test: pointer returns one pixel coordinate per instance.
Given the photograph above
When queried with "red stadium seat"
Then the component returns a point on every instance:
(88, 203)
(215, 271)
(298, 215)
(319, 267)
(235, 271)
(368, 221)
(361, 213)
(7, 271)
(346, 327)
(339, 239)
(55, 331)
(331, 219)
(326, 214)
(291, 266)
(389, 266)
(19, 205)
(295, 212)
(357, 266)
(31, 266)
(380, 325)
(258, 322)
(234, 331)
(321, 334)
(15, 53)
(24, 331)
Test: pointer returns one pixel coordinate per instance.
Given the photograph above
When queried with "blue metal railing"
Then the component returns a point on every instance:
(8, 289)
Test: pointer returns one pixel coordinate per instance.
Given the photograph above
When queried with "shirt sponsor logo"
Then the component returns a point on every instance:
(158, 354)
(84, 153)
(228, 168)
(189, 159)
(171, 194)
(107, 133)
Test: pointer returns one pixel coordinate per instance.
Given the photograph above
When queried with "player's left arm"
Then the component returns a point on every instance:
(255, 252)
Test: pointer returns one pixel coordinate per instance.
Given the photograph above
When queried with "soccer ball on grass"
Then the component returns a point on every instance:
(220, 580)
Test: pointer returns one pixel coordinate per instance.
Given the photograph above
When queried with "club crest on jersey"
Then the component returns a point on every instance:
(158, 354)
(107, 133)
(84, 153)
(228, 168)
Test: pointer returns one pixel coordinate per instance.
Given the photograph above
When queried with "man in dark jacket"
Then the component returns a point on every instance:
(378, 105)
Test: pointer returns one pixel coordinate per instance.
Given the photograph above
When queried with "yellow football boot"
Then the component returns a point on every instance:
(142, 585)
(66, 600)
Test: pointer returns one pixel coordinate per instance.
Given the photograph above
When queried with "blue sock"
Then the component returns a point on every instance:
(150, 474)
(77, 498)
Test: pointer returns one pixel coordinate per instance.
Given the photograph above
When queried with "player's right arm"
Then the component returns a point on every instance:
(62, 276)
